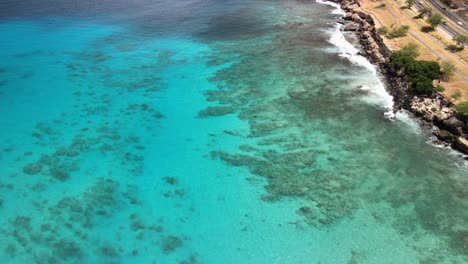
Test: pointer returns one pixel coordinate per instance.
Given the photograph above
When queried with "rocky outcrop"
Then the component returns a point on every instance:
(432, 109)
(454, 125)
(461, 144)
(444, 135)
(368, 38)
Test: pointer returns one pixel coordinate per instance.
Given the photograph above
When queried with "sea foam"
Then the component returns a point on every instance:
(376, 89)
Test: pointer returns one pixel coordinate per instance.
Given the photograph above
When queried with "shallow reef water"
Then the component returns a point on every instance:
(210, 132)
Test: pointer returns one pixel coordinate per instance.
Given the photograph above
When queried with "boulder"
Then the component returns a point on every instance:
(366, 34)
(367, 27)
(444, 135)
(363, 15)
(356, 18)
(461, 144)
(453, 125)
(440, 116)
(350, 27)
(353, 6)
(348, 16)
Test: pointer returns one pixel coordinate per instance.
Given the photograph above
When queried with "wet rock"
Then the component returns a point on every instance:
(348, 16)
(363, 15)
(461, 144)
(453, 125)
(298, 94)
(351, 27)
(356, 18)
(444, 135)
(32, 168)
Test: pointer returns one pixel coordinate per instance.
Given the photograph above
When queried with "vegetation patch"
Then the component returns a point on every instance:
(420, 73)
(398, 32)
(462, 108)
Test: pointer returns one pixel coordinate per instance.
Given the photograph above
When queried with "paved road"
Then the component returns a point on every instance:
(439, 49)
(439, 8)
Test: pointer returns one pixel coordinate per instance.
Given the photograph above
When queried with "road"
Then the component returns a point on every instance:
(434, 45)
(453, 19)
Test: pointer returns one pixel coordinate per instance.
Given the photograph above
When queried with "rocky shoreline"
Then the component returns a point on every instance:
(436, 109)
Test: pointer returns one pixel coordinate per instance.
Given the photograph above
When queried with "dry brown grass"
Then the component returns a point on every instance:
(433, 45)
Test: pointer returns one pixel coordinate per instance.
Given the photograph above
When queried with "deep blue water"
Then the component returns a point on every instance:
(210, 132)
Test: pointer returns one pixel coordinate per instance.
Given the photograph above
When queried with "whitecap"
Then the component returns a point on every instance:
(376, 89)
(336, 11)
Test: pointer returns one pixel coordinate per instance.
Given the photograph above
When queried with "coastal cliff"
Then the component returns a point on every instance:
(435, 109)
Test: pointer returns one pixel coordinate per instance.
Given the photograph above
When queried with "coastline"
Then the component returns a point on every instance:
(435, 110)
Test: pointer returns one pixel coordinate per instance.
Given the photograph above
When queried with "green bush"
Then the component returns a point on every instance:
(456, 95)
(410, 3)
(398, 32)
(430, 69)
(382, 30)
(440, 89)
(404, 56)
(447, 68)
(462, 108)
(455, 48)
(434, 20)
(420, 73)
(422, 85)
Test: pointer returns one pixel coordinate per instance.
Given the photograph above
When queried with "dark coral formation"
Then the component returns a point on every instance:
(216, 111)
(308, 140)
(89, 157)
(294, 175)
(32, 168)
(171, 180)
(171, 243)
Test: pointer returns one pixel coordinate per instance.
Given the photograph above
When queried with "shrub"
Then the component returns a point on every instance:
(410, 3)
(460, 40)
(462, 108)
(404, 56)
(423, 12)
(434, 20)
(381, 6)
(382, 30)
(420, 73)
(440, 89)
(422, 85)
(398, 32)
(456, 95)
(430, 69)
(447, 69)
(455, 48)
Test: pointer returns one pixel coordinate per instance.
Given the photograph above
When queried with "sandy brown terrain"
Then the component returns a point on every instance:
(433, 45)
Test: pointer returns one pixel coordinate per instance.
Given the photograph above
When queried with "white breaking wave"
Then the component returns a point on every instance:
(337, 11)
(376, 89)
(409, 120)
(373, 85)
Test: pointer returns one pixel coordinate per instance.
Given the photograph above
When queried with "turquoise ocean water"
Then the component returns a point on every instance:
(211, 132)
